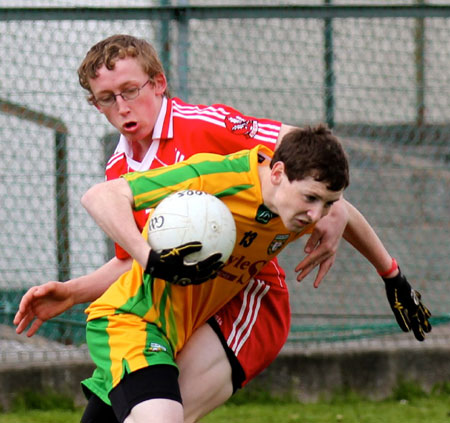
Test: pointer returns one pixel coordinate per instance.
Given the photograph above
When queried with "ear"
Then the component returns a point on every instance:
(277, 173)
(160, 83)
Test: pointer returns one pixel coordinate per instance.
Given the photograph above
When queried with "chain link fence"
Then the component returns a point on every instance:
(378, 75)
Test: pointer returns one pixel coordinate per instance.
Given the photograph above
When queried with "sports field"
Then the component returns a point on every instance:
(378, 76)
(415, 407)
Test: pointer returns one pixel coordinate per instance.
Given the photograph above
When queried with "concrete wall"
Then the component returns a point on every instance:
(61, 377)
(306, 376)
(374, 373)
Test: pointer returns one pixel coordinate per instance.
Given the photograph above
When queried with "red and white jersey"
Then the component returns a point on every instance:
(182, 130)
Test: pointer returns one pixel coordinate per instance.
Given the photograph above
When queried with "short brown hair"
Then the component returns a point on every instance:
(108, 51)
(314, 152)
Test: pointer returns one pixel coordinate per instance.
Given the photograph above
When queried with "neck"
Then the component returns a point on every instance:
(140, 148)
(266, 185)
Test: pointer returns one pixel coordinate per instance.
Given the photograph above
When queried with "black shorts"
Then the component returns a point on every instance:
(134, 388)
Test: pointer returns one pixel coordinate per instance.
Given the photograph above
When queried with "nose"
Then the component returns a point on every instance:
(122, 105)
(316, 212)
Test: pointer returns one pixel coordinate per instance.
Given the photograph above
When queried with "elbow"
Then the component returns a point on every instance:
(87, 198)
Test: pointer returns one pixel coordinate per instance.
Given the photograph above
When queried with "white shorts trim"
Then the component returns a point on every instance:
(253, 294)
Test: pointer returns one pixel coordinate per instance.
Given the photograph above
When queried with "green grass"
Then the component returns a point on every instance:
(408, 404)
(430, 410)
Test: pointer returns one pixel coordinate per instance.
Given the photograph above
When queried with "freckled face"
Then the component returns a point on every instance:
(136, 118)
(299, 203)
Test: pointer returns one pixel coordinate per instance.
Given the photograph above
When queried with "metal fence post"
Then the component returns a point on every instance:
(183, 51)
(329, 70)
(420, 68)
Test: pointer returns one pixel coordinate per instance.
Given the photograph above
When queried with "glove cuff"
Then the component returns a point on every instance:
(397, 281)
(150, 267)
(394, 266)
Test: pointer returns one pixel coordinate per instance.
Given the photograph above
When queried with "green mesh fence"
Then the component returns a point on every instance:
(378, 75)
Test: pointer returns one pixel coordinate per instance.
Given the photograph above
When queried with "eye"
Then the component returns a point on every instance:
(310, 198)
(105, 99)
(130, 93)
(130, 90)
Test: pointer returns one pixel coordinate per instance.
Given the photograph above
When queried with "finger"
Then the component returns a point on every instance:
(26, 299)
(312, 259)
(205, 274)
(305, 272)
(34, 327)
(188, 248)
(213, 261)
(25, 320)
(424, 310)
(417, 329)
(323, 270)
(402, 320)
(313, 241)
(423, 314)
(24, 306)
(215, 267)
(324, 266)
(18, 317)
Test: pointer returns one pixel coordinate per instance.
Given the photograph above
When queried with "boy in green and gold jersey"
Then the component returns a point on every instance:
(136, 329)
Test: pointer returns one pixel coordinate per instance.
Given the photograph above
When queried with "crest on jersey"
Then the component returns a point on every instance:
(277, 243)
(241, 126)
(264, 215)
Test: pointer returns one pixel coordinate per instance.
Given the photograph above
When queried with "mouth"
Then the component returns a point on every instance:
(302, 223)
(130, 126)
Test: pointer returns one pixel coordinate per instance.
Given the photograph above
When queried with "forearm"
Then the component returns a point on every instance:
(363, 238)
(405, 302)
(89, 287)
(283, 131)
(110, 205)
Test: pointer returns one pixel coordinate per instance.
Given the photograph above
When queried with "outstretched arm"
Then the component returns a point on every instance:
(405, 302)
(344, 220)
(43, 302)
(363, 238)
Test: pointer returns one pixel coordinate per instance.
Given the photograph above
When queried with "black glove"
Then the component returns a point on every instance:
(407, 307)
(169, 265)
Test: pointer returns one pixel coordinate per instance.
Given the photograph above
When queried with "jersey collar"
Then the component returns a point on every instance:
(163, 129)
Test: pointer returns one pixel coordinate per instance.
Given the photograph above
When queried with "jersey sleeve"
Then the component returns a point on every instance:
(239, 131)
(221, 129)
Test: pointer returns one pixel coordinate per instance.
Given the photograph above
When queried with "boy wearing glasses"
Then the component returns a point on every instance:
(126, 82)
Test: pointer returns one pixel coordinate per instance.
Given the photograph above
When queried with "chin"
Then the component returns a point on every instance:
(293, 227)
(298, 227)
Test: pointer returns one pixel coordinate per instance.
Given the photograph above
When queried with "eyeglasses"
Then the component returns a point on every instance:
(127, 95)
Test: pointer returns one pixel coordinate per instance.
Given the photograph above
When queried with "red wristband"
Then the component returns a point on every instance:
(393, 267)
